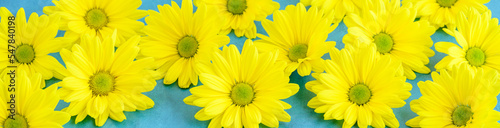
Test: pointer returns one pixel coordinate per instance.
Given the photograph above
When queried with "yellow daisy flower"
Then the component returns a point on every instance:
(34, 107)
(239, 15)
(459, 98)
(177, 39)
(104, 83)
(478, 36)
(33, 41)
(242, 90)
(98, 18)
(300, 36)
(336, 9)
(360, 86)
(395, 33)
(443, 12)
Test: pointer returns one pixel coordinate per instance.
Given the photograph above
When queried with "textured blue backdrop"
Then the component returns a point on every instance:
(171, 111)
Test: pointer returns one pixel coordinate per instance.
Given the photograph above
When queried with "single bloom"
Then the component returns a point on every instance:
(103, 82)
(442, 13)
(300, 36)
(98, 18)
(32, 41)
(242, 90)
(239, 15)
(478, 36)
(335, 9)
(177, 39)
(458, 98)
(395, 33)
(34, 107)
(360, 86)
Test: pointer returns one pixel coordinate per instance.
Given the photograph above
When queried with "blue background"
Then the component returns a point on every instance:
(171, 111)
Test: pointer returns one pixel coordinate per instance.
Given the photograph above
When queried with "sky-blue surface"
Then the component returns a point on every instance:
(171, 111)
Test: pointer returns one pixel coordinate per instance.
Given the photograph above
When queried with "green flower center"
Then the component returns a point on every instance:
(25, 54)
(242, 94)
(236, 7)
(475, 56)
(102, 83)
(360, 94)
(446, 3)
(384, 42)
(297, 52)
(187, 46)
(18, 122)
(96, 18)
(461, 115)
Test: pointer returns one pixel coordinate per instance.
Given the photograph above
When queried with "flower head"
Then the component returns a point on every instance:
(395, 33)
(104, 83)
(242, 90)
(478, 36)
(178, 43)
(33, 40)
(360, 86)
(300, 36)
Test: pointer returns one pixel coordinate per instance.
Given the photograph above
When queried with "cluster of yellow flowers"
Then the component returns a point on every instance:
(110, 59)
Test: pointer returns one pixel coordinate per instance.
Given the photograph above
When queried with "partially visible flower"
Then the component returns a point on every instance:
(336, 9)
(98, 18)
(239, 15)
(34, 107)
(442, 13)
(457, 98)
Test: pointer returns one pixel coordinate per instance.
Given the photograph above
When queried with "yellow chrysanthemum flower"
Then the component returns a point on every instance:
(239, 15)
(98, 18)
(33, 41)
(177, 44)
(104, 83)
(478, 36)
(443, 12)
(300, 36)
(336, 9)
(459, 98)
(34, 107)
(395, 33)
(242, 90)
(360, 86)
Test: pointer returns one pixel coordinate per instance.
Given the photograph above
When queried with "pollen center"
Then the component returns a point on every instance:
(101, 83)
(18, 122)
(187, 46)
(461, 115)
(25, 53)
(297, 52)
(475, 56)
(359, 94)
(446, 3)
(236, 7)
(96, 18)
(384, 42)
(242, 94)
